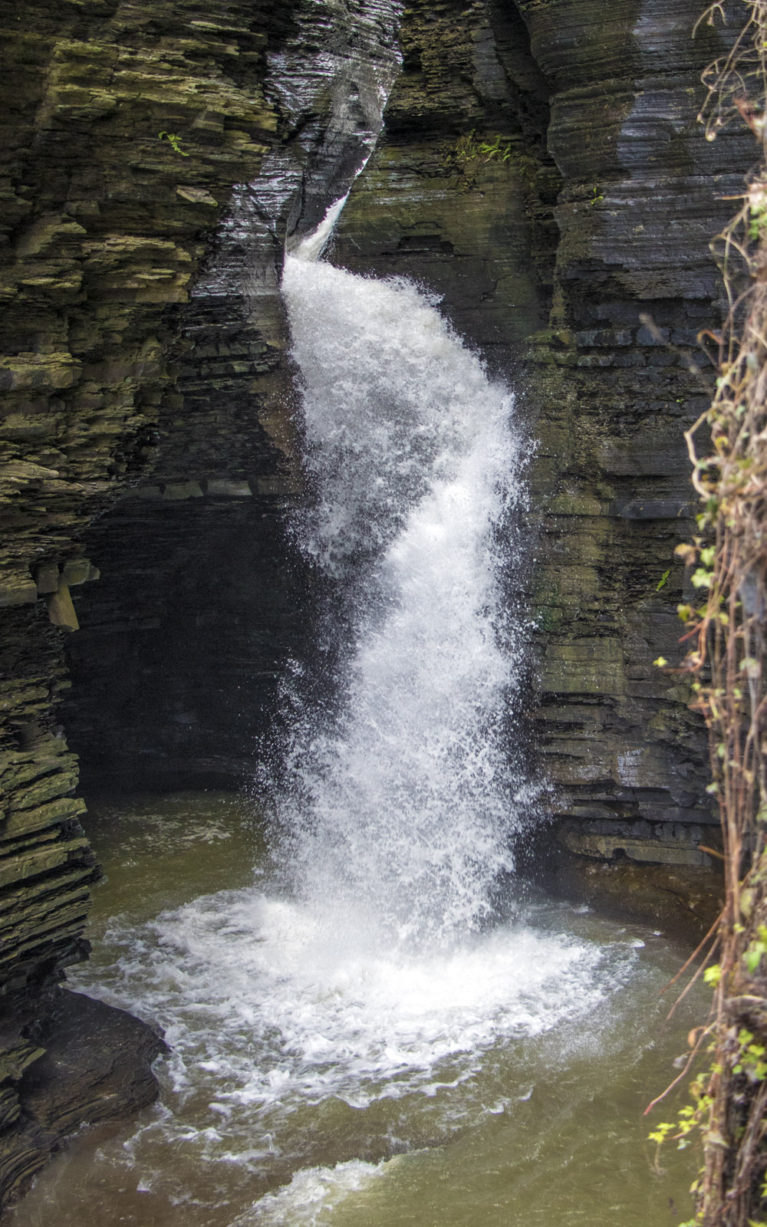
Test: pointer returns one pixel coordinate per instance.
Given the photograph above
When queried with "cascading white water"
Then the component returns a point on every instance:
(404, 804)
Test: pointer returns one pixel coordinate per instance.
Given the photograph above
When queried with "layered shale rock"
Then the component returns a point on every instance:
(460, 192)
(67, 1059)
(135, 141)
(541, 164)
(184, 639)
(616, 379)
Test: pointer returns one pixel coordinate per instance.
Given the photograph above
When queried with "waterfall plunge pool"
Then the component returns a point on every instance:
(500, 1083)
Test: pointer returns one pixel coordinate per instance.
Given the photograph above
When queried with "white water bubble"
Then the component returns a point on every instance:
(312, 1195)
(406, 802)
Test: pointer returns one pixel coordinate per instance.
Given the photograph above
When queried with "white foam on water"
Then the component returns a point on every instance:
(271, 1011)
(313, 1194)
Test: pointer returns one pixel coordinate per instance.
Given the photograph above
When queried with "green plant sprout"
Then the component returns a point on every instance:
(174, 141)
(471, 149)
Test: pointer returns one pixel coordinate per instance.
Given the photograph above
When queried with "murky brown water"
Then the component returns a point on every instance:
(500, 1084)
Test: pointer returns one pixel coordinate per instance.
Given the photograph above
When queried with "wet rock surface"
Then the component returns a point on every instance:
(634, 284)
(132, 317)
(74, 1061)
(580, 266)
(682, 901)
(203, 594)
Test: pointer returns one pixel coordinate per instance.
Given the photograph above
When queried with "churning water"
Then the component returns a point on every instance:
(314, 1083)
(402, 801)
(367, 1032)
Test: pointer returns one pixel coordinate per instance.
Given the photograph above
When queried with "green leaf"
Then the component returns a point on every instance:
(701, 578)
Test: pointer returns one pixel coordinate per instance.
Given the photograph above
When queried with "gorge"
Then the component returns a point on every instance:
(386, 986)
(540, 172)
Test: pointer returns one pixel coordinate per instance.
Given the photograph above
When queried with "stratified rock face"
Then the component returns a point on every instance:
(146, 149)
(599, 102)
(642, 196)
(460, 191)
(202, 596)
(124, 129)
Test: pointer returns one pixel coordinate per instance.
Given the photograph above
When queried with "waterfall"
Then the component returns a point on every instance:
(343, 1019)
(402, 803)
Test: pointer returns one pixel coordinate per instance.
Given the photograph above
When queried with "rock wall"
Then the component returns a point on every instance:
(542, 168)
(643, 194)
(202, 596)
(143, 145)
(460, 192)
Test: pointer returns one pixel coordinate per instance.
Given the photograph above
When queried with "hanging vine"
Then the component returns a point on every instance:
(725, 637)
